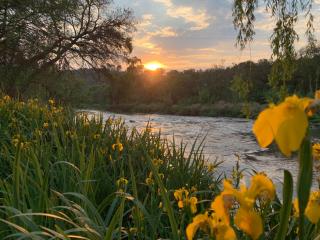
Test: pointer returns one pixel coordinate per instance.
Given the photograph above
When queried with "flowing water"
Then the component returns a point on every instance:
(225, 138)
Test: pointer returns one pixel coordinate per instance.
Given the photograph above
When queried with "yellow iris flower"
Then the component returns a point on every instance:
(122, 181)
(182, 196)
(118, 145)
(246, 218)
(285, 123)
(212, 225)
(312, 211)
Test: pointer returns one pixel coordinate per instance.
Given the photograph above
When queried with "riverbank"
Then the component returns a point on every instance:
(219, 109)
(66, 175)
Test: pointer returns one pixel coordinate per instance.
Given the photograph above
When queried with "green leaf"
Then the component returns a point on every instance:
(116, 220)
(286, 206)
(304, 181)
(165, 198)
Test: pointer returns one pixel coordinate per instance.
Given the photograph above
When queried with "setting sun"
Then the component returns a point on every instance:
(152, 66)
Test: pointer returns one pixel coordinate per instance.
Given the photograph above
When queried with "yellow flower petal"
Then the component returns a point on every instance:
(193, 204)
(199, 221)
(191, 230)
(313, 208)
(261, 186)
(250, 222)
(220, 210)
(292, 129)
(241, 195)
(177, 195)
(225, 233)
(262, 128)
(312, 211)
(286, 123)
(296, 208)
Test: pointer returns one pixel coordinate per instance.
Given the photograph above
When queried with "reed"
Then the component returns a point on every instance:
(61, 172)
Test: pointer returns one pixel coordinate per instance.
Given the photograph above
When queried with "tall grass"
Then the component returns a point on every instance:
(67, 175)
(60, 171)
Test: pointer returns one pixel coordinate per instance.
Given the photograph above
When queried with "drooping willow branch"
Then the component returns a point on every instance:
(285, 14)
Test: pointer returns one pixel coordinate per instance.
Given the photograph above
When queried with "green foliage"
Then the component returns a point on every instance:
(240, 87)
(304, 182)
(43, 36)
(286, 206)
(71, 175)
(191, 92)
(60, 170)
(283, 38)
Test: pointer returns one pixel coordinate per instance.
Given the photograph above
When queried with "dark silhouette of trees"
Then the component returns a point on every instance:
(44, 35)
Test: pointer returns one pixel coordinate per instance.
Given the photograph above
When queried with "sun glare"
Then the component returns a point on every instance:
(152, 66)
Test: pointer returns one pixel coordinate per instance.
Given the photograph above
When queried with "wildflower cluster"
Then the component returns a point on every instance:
(287, 123)
(216, 222)
(64, 149)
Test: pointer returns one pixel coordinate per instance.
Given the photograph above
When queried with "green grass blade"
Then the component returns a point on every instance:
(165, 198)
(286, 206)
(114, 221)
(304, 181)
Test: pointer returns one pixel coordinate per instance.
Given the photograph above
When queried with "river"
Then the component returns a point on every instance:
(224, 139)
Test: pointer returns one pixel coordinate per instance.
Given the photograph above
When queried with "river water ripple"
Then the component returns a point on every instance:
(224, 139)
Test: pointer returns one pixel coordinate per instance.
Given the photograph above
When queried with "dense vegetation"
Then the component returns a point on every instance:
(217, 91)
(64, 174)
(67, 175)
(38, 61)
(40, 38)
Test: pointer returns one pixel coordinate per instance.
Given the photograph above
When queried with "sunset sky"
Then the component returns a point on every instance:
(183, 34)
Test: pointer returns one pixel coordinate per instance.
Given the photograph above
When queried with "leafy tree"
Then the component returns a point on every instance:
(284, 36)
(241, 87)
(37, 35)
(306, 79)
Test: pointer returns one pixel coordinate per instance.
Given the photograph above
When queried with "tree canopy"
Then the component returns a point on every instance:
(36, 35)
(285, 14)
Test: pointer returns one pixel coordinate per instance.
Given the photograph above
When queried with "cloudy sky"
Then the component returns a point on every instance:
(198, 34)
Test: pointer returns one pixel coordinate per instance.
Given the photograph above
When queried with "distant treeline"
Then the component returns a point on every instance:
(139, 90)
(139, 86)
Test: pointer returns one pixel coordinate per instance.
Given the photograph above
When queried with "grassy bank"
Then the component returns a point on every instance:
(219, 109)
(65, 176)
